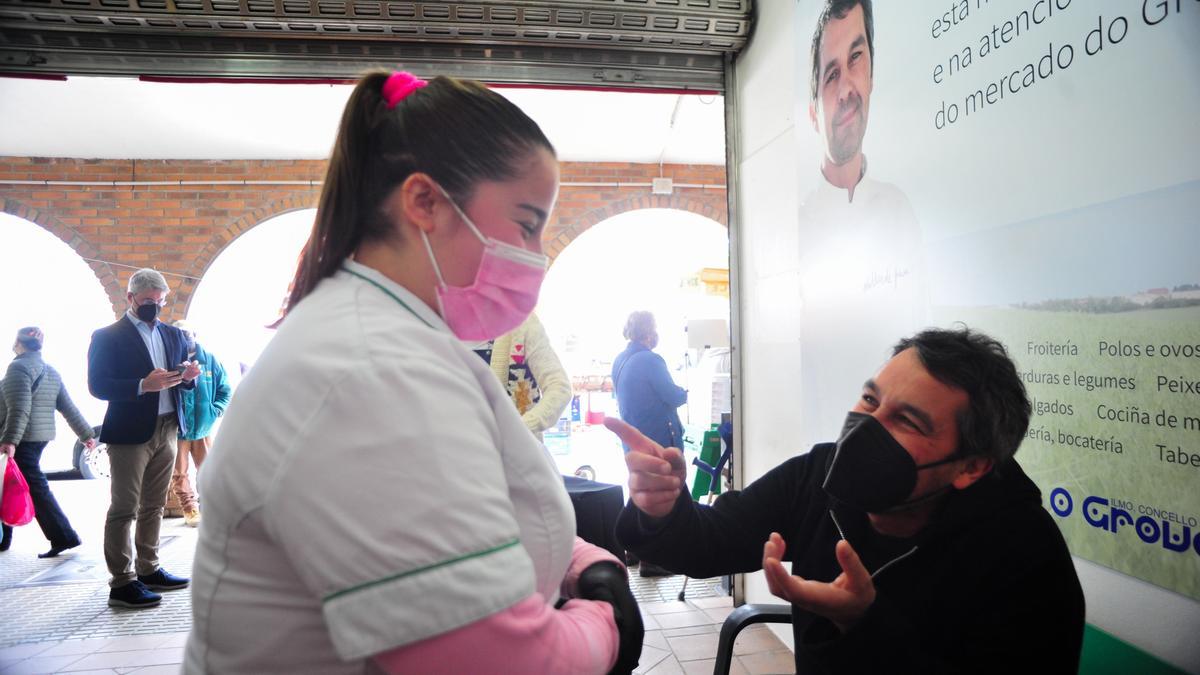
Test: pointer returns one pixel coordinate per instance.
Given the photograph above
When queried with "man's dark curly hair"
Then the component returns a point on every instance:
(998, 409)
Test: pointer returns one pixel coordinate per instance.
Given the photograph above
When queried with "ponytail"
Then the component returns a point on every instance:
(457, 131)
(336, 230)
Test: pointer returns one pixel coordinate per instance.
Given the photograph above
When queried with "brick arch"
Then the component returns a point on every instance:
(79, 244)
(711, 207)
(222, 239)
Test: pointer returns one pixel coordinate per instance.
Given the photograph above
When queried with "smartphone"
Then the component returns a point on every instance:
(181, 369)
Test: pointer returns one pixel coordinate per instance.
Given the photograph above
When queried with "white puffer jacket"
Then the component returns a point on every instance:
(542, 399)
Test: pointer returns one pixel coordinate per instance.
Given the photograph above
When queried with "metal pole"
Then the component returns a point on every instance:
(732, 158)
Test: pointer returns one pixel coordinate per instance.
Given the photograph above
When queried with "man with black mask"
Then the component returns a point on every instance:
(917, 543)
(138, 365)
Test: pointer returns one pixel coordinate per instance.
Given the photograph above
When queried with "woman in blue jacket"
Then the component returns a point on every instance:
(646, 394)
(647, 397)
(201, 406)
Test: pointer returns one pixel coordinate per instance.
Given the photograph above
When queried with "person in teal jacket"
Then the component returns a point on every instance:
(201, 406)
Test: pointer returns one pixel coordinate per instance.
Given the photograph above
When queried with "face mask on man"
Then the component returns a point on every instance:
(504, 292)
(148, 312)
(872, 471)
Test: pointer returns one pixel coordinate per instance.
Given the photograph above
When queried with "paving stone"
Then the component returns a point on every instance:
(71, 600)
(705, 667)
(769, 663)
(756, 641)
(668, 666)
(22, 651)
(42, 664)
(683, 619)
(693, 647)
(650, 657)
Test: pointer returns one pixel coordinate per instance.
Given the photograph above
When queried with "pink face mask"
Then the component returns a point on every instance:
(504, 292)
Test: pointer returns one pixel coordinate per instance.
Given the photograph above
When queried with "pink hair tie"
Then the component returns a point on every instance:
(399, 85)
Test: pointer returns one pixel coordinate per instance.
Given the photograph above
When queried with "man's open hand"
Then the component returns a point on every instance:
(843, 601)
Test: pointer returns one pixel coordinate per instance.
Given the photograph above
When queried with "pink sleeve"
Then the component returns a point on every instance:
(529, 637)
(582, 556)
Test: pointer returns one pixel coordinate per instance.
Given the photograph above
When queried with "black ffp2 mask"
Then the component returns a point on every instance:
(871, 471)
(148, 312)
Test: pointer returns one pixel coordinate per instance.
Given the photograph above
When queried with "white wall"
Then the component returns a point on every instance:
(769, 268)
(1151, 618)
(1158, 621)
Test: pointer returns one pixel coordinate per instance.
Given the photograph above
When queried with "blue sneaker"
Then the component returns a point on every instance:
(133, 595)
(162, 580)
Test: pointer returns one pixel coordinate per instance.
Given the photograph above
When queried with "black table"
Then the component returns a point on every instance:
(597, 506)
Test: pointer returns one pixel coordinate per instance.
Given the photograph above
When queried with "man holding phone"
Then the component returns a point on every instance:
(138, 365)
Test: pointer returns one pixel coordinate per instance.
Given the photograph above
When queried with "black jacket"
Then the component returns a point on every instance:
(117, 362)
(987, 587)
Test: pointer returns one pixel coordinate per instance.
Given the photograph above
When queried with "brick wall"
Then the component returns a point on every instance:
(181, 228)
(579, 208)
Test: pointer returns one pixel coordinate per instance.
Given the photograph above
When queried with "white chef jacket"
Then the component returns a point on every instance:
(862, 248)
(863, 280)
(372, 485)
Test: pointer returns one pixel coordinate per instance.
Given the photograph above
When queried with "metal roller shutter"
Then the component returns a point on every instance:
(640, 44)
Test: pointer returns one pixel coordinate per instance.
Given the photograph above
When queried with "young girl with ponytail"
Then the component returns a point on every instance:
(374, 502)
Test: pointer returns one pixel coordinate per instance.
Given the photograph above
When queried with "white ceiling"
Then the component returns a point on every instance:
(124, 118)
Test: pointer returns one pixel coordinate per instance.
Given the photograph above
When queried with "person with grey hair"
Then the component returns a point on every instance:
(140, 366)
(647, 397)
(32, 391)
(202, 405)
(646, 394)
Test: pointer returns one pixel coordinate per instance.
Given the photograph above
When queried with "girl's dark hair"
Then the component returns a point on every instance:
(457, 131)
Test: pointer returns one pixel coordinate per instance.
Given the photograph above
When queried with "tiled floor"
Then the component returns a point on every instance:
(54, 617)
(665, 589)
(681, 637)
(690, 648)
(156, 654)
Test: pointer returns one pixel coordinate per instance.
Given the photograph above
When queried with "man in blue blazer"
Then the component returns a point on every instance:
(138, 365)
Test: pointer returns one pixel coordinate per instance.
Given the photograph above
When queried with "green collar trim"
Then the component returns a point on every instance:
(390, 294)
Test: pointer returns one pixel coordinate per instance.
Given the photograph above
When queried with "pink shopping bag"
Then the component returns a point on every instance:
(16, 506)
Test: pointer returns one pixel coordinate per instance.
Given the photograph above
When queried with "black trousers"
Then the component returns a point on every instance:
(50, 516)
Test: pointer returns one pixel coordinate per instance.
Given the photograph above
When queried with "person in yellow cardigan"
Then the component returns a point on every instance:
(530, 372)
